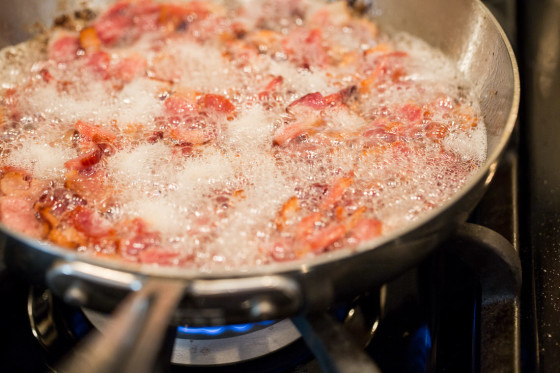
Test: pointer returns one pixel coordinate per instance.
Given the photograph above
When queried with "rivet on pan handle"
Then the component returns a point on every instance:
(241, 299)
(83, 284)
(205, 301)
(134, 333)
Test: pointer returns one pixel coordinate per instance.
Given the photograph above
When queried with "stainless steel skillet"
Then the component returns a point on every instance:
(463, 29)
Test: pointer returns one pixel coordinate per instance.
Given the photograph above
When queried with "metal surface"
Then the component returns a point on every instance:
(332, 346)
(234, 349)
(136, 331)
(462, 29)
(196, 351)
(257, 298)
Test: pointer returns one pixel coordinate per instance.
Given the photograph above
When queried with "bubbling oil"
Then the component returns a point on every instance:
(406, 139)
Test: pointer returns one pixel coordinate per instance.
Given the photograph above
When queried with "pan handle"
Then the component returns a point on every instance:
(132, 338)
(210, 301)
(134, 335)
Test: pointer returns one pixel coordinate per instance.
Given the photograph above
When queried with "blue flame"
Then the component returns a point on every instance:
(218, 330)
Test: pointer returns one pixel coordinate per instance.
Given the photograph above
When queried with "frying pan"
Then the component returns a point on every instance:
(463, 29)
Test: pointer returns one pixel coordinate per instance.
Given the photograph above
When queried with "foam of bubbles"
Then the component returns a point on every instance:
(470, 146)
(218, 204)
(140, 165)
(17, 60)
(41, 159)
(299, 81)
(201, 68)
(252, 129)
(137, 102)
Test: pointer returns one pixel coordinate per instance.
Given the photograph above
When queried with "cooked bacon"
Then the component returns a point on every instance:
(158, 255)
(336, 192)
(94, 132)
(272, 85)
(14, 183)
(333, 14)
(436, 131)
(18, 183)
(89, 40)
(322, 239)
(91, 223)
(266, 41)
(58, 202)
(113, 25)
(307, 225)
(386, 67)
(288, 210)
(178, 16)
(64, 49)
(84, 161)
(47, 217)
(135, 238)
(411, 112)
(68, 237)
(193, 136)
(367, 229)
(287, 133)
(314, 101)
(99, 64)
(216, 104)
(351, 107)
(282, 250)
(305, 47)
(194, 119)
(307, 113)
(181, 107)
(89, 184)
(125, 21)
(350, 221)
(18, 214)
(129, 67)
(345, 96)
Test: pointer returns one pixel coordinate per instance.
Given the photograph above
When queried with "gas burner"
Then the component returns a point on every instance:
(59, 327)
(251, 344)
(210, 346)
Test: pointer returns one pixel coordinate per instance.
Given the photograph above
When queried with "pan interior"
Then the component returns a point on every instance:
(463, 30)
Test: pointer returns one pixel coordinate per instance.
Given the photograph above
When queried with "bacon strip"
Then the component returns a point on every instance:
(84, 161)
(335, 193)
(90, 223)
(94, 133)
(89, 40)
(321, 239)
(18, 214)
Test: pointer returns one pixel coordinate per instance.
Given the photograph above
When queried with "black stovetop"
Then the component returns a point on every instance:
(539, 36)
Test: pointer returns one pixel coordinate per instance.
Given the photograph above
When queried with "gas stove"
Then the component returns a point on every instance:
(429, 319)
(463, 309)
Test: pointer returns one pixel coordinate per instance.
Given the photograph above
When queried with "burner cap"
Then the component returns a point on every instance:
(222, 345)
